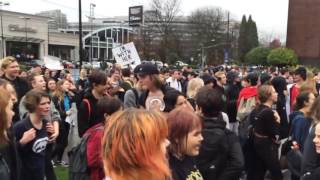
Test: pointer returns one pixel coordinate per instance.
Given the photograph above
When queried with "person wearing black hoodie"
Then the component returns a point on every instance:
(280, 85)
(232, 90)
(220, 155)
(87, 116)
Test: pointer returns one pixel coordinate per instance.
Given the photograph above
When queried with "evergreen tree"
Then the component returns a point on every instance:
(252, 34)
(242, 41)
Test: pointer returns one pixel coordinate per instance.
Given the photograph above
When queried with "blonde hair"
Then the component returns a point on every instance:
(6, 61)
(193, 87)
(219, 74)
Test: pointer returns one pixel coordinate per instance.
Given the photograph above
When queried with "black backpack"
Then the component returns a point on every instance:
(78, 168)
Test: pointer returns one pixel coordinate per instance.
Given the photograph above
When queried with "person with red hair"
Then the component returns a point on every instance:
(185, 140)
(134, 146)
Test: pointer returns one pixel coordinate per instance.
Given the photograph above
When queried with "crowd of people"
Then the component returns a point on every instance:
(146, 123)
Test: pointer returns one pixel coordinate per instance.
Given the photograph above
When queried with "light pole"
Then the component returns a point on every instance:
(80, 35)
(49, 21)
(2, 39)
(25, 27)
(91, 17)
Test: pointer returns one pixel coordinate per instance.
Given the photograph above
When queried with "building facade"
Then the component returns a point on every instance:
(303, 30)
(28, 37)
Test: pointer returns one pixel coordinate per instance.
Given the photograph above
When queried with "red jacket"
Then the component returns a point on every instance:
(246, 93)
(94, 157)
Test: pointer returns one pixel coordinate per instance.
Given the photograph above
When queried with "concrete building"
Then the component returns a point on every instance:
(27, 37)
(59, 18)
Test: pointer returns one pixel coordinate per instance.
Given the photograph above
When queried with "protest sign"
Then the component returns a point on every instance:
(126, 55)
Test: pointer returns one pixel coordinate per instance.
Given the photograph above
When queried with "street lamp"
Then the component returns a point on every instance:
(91, 17)
(49, 21)
(25, 27)
(2, 39)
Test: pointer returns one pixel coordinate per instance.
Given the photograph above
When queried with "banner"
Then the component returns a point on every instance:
(126, 55)
(52, 63)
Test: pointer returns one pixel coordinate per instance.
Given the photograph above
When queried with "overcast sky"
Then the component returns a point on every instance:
(270, 15)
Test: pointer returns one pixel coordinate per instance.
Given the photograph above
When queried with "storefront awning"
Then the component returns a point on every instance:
(23, 39)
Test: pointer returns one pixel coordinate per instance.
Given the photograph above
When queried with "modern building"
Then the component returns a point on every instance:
(303, 30)
(27, 37)
(105, 34)
(59, 19)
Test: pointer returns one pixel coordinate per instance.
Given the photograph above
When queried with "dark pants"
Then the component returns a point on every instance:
(266, 158)
(62, 140)
(49, 173)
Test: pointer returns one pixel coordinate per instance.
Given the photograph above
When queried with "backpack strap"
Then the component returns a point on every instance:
(86, 101)
(134, 90)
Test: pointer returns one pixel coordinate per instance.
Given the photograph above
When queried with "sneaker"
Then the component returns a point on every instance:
(53, 164)
(64, 164)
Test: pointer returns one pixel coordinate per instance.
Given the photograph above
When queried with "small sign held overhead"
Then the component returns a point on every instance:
(126, 55)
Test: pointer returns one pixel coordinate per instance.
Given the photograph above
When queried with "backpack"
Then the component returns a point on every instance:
(245, 107)
(78, 169)
(4, 169)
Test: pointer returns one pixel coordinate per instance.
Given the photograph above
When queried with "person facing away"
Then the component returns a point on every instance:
(220, 155)
(134, 146)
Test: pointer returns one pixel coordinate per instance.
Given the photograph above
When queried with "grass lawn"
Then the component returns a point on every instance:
(61, 173)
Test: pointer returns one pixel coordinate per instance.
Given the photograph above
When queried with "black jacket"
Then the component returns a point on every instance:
(310, 160)
(220, 155)
(11, 156)
(21, 86)
(232, 93)
(86, 119)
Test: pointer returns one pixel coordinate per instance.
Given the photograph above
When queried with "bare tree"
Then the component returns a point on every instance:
(161, 19)
(210, 25)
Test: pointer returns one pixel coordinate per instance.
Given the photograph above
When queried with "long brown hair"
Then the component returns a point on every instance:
(131, 146)
(5, 99)
(59, 93)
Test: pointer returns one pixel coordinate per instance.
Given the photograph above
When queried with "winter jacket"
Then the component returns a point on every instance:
(280, 85)
(310, 160)
(9, 153)
(220, 155)
(94, 157)
(299, 128)
(232, 92)
(88, 119)
(21, 86)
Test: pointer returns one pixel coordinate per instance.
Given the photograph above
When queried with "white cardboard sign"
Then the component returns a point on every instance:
(126, 55)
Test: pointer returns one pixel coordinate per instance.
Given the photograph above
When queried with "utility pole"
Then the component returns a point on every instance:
(80, 35)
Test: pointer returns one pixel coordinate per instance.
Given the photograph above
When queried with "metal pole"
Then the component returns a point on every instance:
(25, 26)
(2, 42)
(202, 57)
(80, 35)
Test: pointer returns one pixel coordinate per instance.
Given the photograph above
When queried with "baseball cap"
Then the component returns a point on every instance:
(146, 69)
